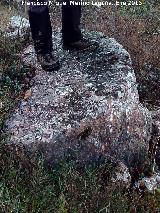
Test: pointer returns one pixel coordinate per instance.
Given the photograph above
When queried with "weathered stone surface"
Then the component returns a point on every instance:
(151, 184)
(156, 120)
(17, 27)
(155, 139)
(87, 110)
(122, 176)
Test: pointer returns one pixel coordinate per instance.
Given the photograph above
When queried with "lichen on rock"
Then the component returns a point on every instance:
(87, 110)
(17, 27)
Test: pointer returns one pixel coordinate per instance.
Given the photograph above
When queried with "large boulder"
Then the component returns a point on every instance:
(89, 110)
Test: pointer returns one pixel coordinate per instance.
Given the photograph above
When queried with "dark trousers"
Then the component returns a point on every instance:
(41, 26)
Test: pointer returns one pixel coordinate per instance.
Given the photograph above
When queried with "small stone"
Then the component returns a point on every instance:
(150, 184)
(158, 179)
(27, 94)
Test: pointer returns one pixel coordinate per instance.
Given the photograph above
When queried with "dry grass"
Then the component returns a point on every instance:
(6, 13)
(26, 186)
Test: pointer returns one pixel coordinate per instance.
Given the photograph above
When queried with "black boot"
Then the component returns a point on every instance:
(48, 62)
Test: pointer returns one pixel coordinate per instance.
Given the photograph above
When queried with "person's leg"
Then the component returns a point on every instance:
(71, 15)
(42, 36)
(71, 33)
(41, 28)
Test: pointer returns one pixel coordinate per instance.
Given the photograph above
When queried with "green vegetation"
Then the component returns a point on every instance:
(13, 75)
(27, 186)
(133, 11)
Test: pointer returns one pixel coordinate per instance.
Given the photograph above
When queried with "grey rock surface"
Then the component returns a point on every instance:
(87, 110)
(17, 27)
(156, 137)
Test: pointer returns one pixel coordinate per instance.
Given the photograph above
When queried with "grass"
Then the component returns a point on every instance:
(26, 184)
(14, 75)
(5, 13)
